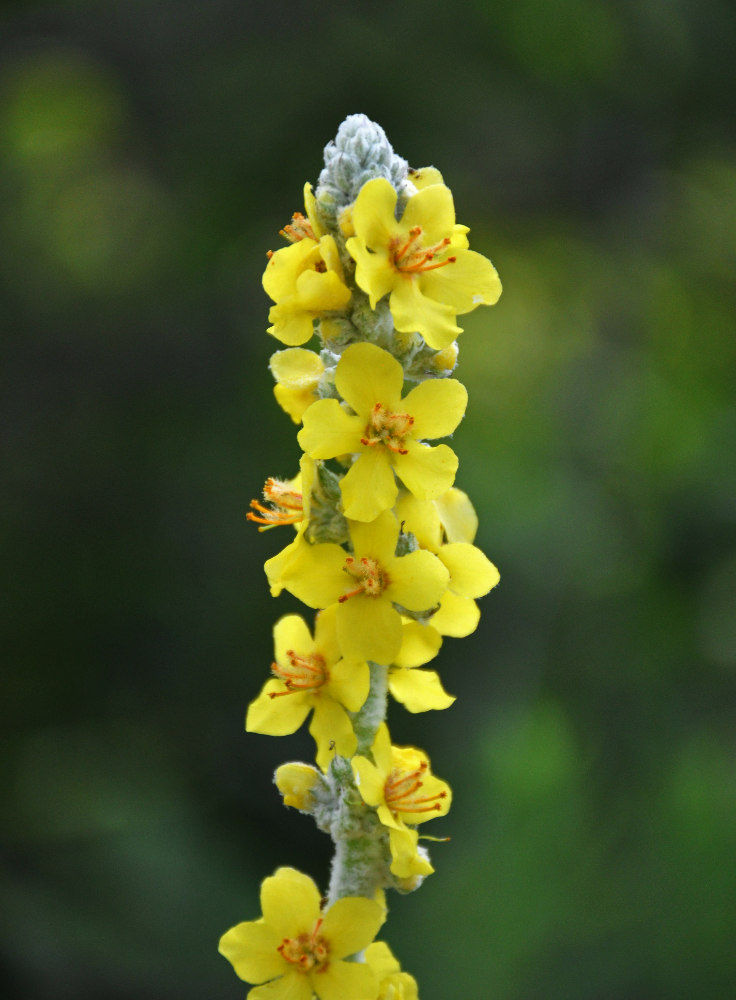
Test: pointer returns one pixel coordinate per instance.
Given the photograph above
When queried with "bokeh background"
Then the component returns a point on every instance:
(149, 152)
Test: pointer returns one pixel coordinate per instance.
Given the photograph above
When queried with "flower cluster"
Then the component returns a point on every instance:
(374, 276)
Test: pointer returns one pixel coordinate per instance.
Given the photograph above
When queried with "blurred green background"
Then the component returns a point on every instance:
(149, 152)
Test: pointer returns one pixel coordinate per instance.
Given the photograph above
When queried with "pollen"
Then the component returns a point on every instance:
(369, 575)
(282, 505)
(412, 257)
(402, 792)
(308, 952)
(302, 673)
(387, 428)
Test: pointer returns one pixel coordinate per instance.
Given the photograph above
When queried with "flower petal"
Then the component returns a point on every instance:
(290, 902)
(366, 375)
(419, 644)
(349, 683)
(332, 730)
(471, 281)
(438, 406)
(457, 616)
(418, 581)
(293, 985)
(457, 515)
(368, 628)
(314, 574)
(329, 430)
(350, 924)
(433, 209)
(374, 216)
(369, 487)
(472, 574)
(418, 690)
(427, 471)
(251, 948)
(345, 981)
(412, 310)
(370, 781)
(373, 271)
(291, 632)
(277, 716)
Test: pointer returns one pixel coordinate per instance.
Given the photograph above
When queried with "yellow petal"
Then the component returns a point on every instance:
(471, 281)
(296, 367)
(370, 781)
(438, 406)
(332, 731)
(472, 574)
(418, 690)
(290, 902)
(374, 273)
(277, 716)
(374, 220)
(418, 581)
(414, 311)
(426, 471)
(329, 430)
(431, 208)
(368, 628)
(457, 616)
(290, 325)
(345, 980)
(422, 177)
(349, 684)
(419, 644)
(315, 575)
(291, 632)
(350, 925)
(321, 291)
(366, 375)
(369, 487)
(457, 515)
(251, 948)
(293, 985)
(422, 519)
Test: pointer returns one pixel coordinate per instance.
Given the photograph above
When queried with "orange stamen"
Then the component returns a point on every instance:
(303, 673)
(370, 576)
(400, 788)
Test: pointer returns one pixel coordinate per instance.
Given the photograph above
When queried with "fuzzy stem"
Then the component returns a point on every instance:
(359, 862)
(368, 718)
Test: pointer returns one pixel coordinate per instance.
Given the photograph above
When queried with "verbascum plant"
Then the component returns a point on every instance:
(375, 272)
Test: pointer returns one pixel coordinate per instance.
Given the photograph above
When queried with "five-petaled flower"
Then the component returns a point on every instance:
(421, 261)
(384, 431)
(365, 585)
(296, 949)
(310, 674)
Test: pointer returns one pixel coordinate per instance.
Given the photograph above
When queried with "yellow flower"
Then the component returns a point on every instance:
(393, 984)
(295, 782)
(311, 675)
(418, 690)
(305, 280)
(365, 586)
(297, 372)
(421, 261)
(384, 431)
(400, 785)
(472, 574)
(297, 950)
